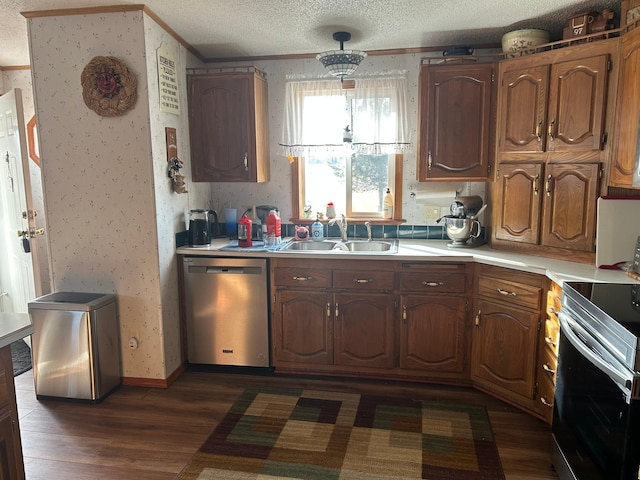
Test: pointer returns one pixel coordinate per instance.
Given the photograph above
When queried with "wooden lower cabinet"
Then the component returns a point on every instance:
(432, 334)
(364, 330)
(303, 327)
(506, 333)
(11, 463)
(370, 318)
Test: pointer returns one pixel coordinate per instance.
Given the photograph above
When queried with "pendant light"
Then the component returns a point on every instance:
(341, 63)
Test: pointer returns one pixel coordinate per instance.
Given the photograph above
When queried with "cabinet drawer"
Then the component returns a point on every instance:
(433, 282)
(363, 279)
(546, 391)
(302, 277)
(548, 364)
(511, 292)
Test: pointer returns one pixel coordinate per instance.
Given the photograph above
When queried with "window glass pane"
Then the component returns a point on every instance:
(324, 182)
(369, 180)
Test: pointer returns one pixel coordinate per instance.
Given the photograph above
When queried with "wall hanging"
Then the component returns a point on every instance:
(178, 180)
(108, 88)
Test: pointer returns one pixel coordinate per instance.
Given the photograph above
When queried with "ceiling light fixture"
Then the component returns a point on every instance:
(341, 63)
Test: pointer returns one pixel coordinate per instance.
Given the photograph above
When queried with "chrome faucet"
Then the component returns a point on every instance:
(341, 221)
(368, 225)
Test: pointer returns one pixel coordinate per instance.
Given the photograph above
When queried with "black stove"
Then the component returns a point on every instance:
(611, 312)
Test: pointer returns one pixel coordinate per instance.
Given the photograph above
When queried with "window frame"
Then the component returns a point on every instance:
(296, 196)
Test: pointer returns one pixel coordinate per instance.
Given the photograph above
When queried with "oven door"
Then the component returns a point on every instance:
(595, 420)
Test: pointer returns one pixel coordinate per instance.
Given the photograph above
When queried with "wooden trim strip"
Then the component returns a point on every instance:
(115, 9)
(15, 67)
(154, 382)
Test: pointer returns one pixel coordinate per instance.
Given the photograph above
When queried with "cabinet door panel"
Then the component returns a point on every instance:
(302, 328)
(364, 331)
(504, 348)
(576, 104)
(524, 107)
(518, 201)
(628, 110)
(571, 193)
(432, 334)
(455, 121)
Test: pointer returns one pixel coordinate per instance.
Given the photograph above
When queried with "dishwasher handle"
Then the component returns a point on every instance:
(223, 270)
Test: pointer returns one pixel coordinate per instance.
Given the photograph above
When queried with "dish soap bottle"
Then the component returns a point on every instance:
(317, 230)
(387, 204)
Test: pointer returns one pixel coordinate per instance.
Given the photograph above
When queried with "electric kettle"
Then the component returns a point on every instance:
(199, 235)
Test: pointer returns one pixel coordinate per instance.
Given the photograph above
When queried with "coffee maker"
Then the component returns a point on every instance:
(199, 230)
(462, 225)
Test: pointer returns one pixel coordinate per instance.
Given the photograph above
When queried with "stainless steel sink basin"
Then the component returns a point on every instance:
(337, 246)
(309, 246)
(390, 246)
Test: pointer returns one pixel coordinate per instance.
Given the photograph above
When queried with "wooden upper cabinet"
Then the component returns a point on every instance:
(571, 194)
(554, 108)
(456, 121)
(228, 125)
(524, 95)
(628, 113)
(518, 202)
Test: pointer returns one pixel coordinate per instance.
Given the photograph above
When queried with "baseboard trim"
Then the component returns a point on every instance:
(154, 382)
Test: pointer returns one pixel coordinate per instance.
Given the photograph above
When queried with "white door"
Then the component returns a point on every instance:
(19, 275)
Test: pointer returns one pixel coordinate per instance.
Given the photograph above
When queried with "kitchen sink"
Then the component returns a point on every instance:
(309, 246)
(337, 246)
(390, 246)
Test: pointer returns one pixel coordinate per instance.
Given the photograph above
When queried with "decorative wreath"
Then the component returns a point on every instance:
(108, 88)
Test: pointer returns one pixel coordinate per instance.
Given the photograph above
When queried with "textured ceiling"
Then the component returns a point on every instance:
(255, 28)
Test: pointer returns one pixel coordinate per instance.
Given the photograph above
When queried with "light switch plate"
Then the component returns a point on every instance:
(431, 213)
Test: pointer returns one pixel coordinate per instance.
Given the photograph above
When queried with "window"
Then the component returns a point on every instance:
(347, 145)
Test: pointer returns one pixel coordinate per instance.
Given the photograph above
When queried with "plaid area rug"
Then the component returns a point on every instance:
(308, 434)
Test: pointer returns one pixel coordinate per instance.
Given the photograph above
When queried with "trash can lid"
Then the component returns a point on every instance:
(72, 301)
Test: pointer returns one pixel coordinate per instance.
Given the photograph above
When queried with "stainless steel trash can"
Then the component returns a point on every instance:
(76, 353)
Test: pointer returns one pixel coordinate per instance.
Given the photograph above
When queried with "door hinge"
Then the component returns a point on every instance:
(609, 67)
(539, 325)
(489, 169)
(604, 139)
(466, 306)
(493, 77)
(535, 390)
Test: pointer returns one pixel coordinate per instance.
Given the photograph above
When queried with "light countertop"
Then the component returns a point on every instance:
(437, 251)
(13, 327)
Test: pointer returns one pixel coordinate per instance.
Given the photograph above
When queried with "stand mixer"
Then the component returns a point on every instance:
(462, 226)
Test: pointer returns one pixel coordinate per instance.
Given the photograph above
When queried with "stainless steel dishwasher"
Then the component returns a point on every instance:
(227, 311)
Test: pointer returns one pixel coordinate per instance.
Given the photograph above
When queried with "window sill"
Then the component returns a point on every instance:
(352, 221)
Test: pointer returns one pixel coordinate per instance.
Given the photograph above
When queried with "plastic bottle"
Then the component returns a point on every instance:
(387, 204)
(244, 232)
(274, 229)
(317, 230)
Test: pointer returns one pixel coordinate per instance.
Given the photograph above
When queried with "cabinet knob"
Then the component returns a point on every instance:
(246, 162)
(328, 309)
(429, 160)
(478, 318)
(337, 310)
(404, 313)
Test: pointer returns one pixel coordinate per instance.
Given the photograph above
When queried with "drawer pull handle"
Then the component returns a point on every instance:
(363, 280)
(552, 310)
(536, 186)
(404, 313)
(337, 310)
(504, 292)
(301, 279)
(429, 161)
(539, 131)
(246, 162)
(550, 341)
(432, 284)
(545, 402)
(478, 318)
(548, 369)
(328, 310)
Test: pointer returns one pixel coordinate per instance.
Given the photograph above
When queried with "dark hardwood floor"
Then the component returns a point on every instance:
(150, 434)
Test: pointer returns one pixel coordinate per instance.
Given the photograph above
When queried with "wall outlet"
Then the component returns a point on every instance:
(431, 213)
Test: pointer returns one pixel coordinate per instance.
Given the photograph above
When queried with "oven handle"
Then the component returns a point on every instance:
(569, 327)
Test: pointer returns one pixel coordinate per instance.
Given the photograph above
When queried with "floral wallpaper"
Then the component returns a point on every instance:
(111, 215)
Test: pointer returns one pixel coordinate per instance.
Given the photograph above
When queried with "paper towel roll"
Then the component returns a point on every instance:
(435, 197)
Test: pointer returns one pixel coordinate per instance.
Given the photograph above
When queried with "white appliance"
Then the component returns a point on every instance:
(617, 230)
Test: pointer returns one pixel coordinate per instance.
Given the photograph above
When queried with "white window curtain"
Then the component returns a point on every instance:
(316, 113)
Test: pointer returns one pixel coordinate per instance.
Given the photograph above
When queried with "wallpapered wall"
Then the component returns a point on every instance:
(278, 191)
(111, 214)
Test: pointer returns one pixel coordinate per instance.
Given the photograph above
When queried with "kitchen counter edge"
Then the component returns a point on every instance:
(437, 251)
